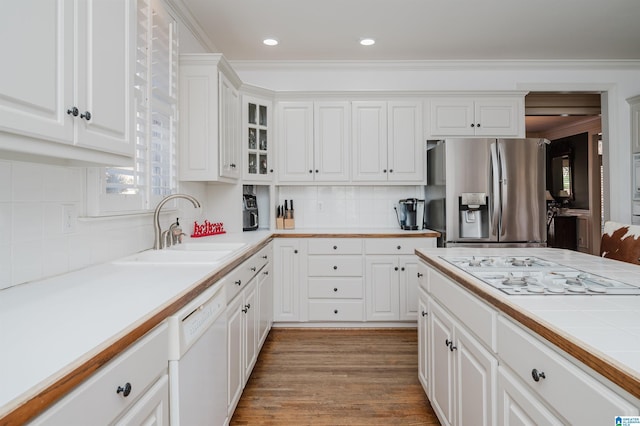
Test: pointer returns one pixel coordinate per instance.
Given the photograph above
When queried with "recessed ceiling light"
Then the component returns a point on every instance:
(270, 41)
(367, 41)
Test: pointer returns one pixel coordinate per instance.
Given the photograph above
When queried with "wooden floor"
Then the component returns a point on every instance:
(336, 377)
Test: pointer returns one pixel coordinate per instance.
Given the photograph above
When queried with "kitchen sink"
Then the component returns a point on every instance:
(175, 257)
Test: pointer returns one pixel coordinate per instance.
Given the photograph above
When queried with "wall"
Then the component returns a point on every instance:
(618, 80)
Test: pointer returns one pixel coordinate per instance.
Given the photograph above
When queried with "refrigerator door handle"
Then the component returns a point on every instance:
(495, 200)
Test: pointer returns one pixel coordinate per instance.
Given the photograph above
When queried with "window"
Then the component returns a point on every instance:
(121, 190)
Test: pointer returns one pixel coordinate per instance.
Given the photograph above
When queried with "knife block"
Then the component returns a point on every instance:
(279, 222)
(289, 223)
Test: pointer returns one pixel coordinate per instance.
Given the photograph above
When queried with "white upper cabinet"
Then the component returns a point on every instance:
(466, 116)
(70, 79)
(388, 141)
(635, 123)
(257, 139)
(313, 142)
(209, 119)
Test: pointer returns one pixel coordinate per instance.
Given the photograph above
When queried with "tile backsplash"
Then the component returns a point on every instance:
(34, 243)
(347, 206)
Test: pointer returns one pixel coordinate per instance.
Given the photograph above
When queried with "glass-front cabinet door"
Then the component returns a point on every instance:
(257, 143)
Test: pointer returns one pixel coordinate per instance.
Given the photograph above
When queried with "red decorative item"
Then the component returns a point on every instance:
(207, 228)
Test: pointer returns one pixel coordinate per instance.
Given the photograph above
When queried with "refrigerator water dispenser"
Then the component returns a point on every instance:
(473, 215)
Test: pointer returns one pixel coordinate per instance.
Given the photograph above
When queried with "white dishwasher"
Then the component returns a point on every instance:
(198, 361)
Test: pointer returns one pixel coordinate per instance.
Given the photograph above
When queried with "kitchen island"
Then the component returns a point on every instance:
(518, 336)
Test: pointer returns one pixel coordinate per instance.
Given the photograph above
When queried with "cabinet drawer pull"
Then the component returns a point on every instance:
(126, 390)
(537, 375)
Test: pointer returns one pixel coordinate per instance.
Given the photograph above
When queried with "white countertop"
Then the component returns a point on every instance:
(606, 325)
(48, 326)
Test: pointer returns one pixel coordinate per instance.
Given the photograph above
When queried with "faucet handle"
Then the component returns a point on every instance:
(166, 239)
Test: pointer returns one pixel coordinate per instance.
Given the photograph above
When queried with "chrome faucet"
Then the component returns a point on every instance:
(158, 244)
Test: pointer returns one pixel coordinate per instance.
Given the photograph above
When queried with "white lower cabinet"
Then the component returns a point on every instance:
(289, 277)
(478, 367)
(132, 389)
(575, 395)
(247, 324)
(463, 372)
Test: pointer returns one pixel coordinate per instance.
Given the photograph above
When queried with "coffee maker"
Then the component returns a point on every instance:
(410, 214)
(249, 212)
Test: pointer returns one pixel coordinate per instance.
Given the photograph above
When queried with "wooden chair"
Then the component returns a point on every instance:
(621, 242)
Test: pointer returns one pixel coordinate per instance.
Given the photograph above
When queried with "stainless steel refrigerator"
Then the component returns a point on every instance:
(487, 192)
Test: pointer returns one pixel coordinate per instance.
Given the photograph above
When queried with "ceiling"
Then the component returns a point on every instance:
(330, 30)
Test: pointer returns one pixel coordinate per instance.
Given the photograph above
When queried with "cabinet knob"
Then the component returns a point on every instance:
(335, 289)
(335, 247)
(73, 111)
(317, 171)
(420, 275)
(452, 348)
(248, 306)
(478, 125)
(126, 390)
(295, 251)
(244, 310)
(86, 115)
(402, 269)
(239, 282)
(266, 272)
(395, 269)
(270, 170)
(310, 171)
(447, 342)
(335, 268)
(390, 170)
(399, 247)
(335, 311)
(537, 375)
(384, 171)
(233, 166)
(424, 313)
(473, 125)
(265, 257)
(252, 269)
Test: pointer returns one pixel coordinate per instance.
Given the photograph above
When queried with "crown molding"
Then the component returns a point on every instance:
(422, 65)
(183, 12)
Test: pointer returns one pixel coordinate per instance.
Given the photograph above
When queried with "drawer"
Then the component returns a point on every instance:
(235, 280)
(335, 288)
(336, 310)
(335, 266)
(335, 246)
(575, 395)
(477, 316)
(396, 245)
(96, 401)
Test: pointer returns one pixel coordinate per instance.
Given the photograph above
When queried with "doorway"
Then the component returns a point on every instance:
(572, 122)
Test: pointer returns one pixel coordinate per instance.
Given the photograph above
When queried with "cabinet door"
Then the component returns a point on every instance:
(229, 130)
(517, 406)
(106, 46)
(423, 340)
(152, 409)
(475, 381)
(441, 366)
(497, 117)
(36, 88)
(406, 149)
(451, 117)
(331, 141)
(408, 287)
(635, 124)
(257, 139)
(265, 295)
(382, 294)
(235, 363)
(251, 312)
(287, 280)
(295, 139)
(369, 139)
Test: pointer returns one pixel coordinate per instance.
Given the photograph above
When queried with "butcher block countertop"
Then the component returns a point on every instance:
(601, 331)
(56, 332)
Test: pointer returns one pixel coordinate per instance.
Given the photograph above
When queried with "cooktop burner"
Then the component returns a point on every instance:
(520, 275)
